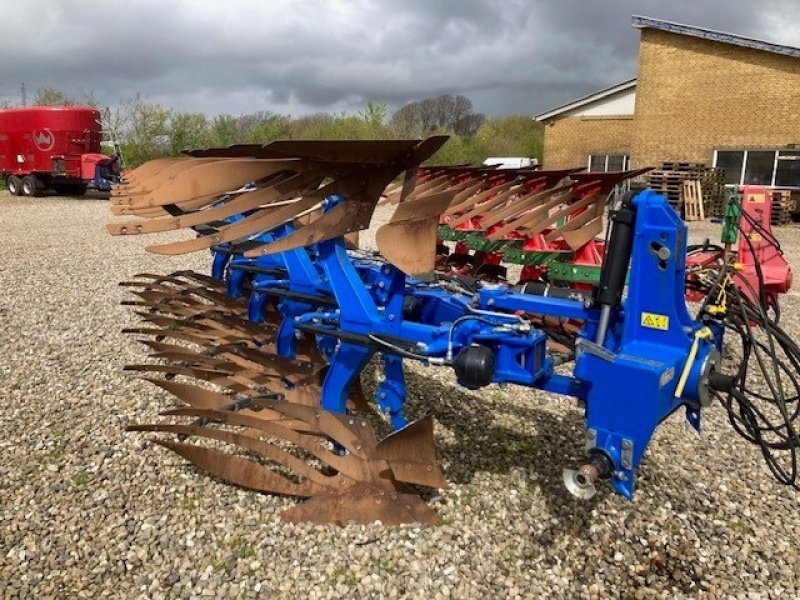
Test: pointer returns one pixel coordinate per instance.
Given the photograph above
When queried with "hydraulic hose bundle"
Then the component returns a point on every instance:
(762, 396)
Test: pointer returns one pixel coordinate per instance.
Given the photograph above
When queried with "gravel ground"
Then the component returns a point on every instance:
(89, 511)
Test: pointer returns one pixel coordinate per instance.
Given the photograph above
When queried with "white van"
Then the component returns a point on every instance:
(510, 162)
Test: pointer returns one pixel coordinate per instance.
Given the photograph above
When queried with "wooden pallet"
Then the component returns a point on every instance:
(682, 166)
(668, 181)
(783, 206)
(692, 194)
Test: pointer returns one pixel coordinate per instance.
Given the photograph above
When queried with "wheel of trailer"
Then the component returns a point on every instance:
(30, 186)
(14, 185)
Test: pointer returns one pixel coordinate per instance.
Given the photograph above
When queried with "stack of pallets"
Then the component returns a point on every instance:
(782, 207)
(668, 181)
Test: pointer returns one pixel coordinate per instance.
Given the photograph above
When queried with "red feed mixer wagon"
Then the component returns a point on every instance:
(56, 147)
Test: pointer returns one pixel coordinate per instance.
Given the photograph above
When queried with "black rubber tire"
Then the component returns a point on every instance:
(30, 186)
(14, 184)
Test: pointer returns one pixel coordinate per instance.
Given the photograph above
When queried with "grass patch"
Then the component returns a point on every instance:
(741, 526)
(241, 547)
(343, 574)
(384, 565)
(81, 479)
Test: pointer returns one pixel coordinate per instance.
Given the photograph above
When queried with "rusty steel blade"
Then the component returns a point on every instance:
(365, 487)
(408, 240)
(148, 169)
(293, 431)
(193, 395)
(351, 151)
(469, 202)
(486, 207)
(238, 204)
(178, 278)
(588, 202)
(315, 481)
(538, 215)
(141, 186)
(580, 237)
(521, 206)
(202, 374)
(411, 454)
(238, 470)
(409, 183)
(576, 222)
(259, 221)
(359, 170)
(208, 179)
(357, 506)
(349, 216)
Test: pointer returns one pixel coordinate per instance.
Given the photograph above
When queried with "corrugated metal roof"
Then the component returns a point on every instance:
(715, 36)
(609, 91)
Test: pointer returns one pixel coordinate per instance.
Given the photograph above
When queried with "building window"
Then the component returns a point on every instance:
(774, 168)
(607, 162)
(787, 170)
(758, 167)
(732, 162)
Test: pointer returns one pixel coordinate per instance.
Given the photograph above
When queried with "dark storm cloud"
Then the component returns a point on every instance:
(508, 56)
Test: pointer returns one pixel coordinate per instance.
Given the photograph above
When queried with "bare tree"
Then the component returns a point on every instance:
(451, 113)
(407, 122)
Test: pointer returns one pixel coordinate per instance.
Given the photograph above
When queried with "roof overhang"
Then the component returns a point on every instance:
(610, 91)
(713, 35)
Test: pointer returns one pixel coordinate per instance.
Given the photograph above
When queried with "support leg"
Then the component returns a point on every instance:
(391, 393)
(347, 364)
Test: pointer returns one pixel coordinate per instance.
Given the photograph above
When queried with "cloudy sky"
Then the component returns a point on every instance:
(508, 56)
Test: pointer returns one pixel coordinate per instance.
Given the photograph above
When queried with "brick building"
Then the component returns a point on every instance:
(700, 96)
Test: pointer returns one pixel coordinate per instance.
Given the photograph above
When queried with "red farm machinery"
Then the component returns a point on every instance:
(55, 147)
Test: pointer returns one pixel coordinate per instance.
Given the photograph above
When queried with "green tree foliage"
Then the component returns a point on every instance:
(514, 135)
(261, 127)
(188, 131)
(146, 133)
(457, 150)
(47, 96)
(147, 130)
(223, 130)
(374, 113)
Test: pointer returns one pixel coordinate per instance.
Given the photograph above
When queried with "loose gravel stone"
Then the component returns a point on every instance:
(89, 511)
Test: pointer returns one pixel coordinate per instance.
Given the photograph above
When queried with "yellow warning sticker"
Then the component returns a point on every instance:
(757, 198)
(655, 321)
(754, 237)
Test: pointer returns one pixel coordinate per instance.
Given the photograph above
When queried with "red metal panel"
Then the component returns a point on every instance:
(30, 138)
(89, 162)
